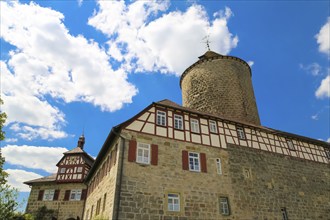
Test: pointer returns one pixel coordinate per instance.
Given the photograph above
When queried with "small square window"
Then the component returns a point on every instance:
(161, 118)
(241, 133)
(290, 145)
(219, 168)
(79, 169)
(173, 202)
(48, 195)
(75, 194)
(194, 164)
(178, 122)
(194, 125)
(143, 153)
(62, 170)
(284, 214)
(213, 127)
(224, 206)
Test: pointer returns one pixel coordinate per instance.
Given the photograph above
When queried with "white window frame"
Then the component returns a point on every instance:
(140, 153)
(193, 158)
(224, 206)
(240, 133)
(161, 118)
(213, 126)
(75, 194)
(62, 170)
(79, 169)
(290, 144)
(173, 202)
(178, 122)
(219, 167)
(194, 124)
(284, 213)
(48, 195)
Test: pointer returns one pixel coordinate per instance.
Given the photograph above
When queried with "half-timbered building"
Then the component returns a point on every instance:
(208, 159)
(63, 192)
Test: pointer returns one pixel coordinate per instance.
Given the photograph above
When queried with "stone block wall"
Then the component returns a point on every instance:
(63, 209)
(257, 184)
(223, 87)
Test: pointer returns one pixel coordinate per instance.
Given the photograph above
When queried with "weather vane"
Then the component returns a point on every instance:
(207, 41)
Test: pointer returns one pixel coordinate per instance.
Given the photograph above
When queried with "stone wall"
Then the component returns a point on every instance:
(223, 87)
(65, 209)
(257, 184)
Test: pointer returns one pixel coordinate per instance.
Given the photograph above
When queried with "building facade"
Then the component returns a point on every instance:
(64, 192)
(208, 159)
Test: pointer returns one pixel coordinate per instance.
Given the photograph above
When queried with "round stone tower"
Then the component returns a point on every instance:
(220, 85)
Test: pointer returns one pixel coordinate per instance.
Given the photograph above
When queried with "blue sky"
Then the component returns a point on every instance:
(74, 66)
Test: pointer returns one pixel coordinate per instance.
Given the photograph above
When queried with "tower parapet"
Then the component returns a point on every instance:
(220, 85)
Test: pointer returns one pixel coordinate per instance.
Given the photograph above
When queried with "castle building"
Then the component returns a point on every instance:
(208, 159)
(65, 191)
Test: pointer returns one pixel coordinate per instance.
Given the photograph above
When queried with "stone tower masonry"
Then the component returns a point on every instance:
(220, 85)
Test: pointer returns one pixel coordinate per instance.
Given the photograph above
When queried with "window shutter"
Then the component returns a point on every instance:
(56, 194)
(154, 154)
(203, 163)
(83, 194)
(132, 151)
(40, 195)
(185, 164)
(67, 195)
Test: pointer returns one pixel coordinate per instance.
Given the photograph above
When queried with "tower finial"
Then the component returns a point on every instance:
(81, 141)
(207, 41)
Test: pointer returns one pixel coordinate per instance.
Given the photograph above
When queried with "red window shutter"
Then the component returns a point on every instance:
(56, 194)
(203, 162)
(185, 163)
(132, 151)
(83, 194)
(67, 195)
(40, 195)
(154, 154)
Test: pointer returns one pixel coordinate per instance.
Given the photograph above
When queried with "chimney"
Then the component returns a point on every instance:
(81, 142)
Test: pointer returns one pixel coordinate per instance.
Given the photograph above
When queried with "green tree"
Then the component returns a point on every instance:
(8, 195)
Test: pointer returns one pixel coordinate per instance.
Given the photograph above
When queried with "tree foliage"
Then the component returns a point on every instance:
(8, 195)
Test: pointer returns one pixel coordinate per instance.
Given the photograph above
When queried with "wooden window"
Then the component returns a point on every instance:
(48, 195)
(203, 162)
(75, 194)
(194, 162)
(83, 194)
(154, 154)
(132, 151)
(290, 144)
(213, 126)
(41, 195)
(218, 164)
(185, 161)
(224, 206)
(173, 202)
(178, 122)
(161, 118)
(104, 200)
(56, 194)
(194, 124)
(240, 133)
(67, 195)
(284, 214)
(143, 153)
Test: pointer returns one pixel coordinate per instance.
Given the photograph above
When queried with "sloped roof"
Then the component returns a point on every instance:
(50, 178)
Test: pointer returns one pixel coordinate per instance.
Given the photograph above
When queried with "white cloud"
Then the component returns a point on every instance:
(250, 63)
(11, 140)
(314, 68)
(328, 140)
(323, 90)
(35, 157)
(48, 62)
(323, 38)
(169, 43)
(17, 177)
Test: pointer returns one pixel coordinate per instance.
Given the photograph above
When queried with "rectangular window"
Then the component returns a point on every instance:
(104, 200)
(79, 169)
(194, 164)
(290, 145)
(143, 153)
(224, 206)
(284, 214)
(219, 168)
(194, 125)
(98, 207)
(327, 153)
(92, 212)
(62, 170)
(75, 194)
(213, 127)
(48, 195)
(161, 118)
(178, 122)
(240, 133)
(173, 202)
